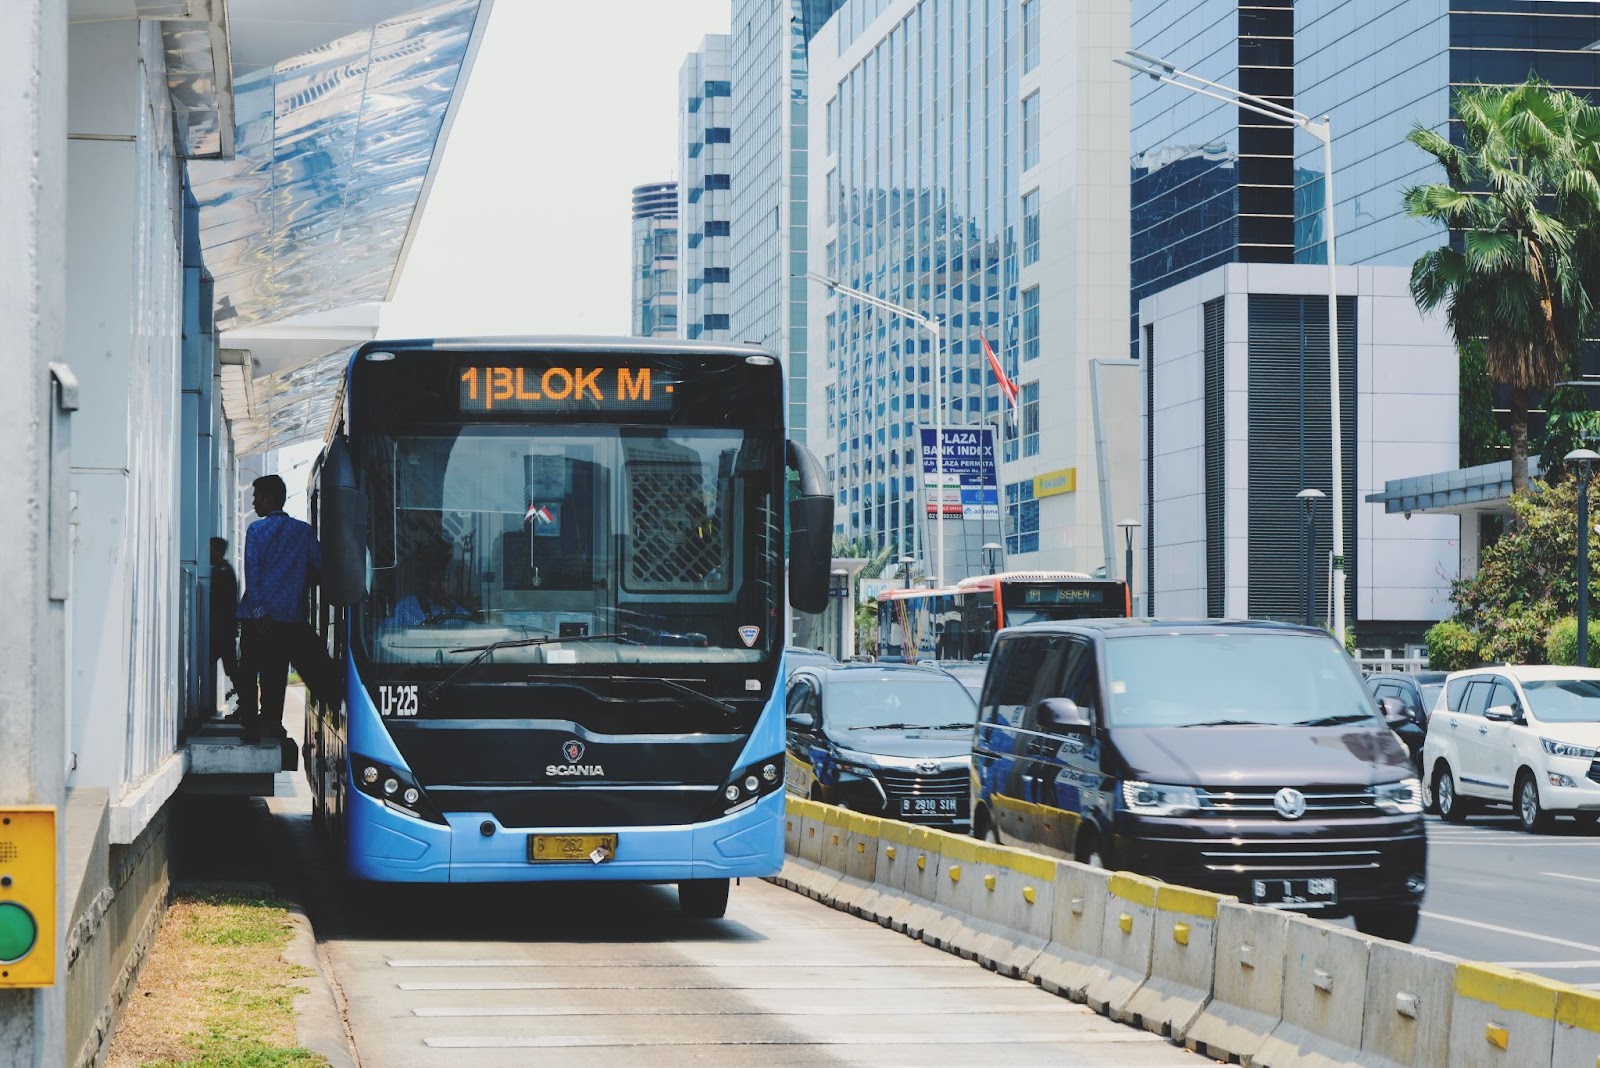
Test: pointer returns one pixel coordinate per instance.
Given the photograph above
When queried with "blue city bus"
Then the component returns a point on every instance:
(554, 577)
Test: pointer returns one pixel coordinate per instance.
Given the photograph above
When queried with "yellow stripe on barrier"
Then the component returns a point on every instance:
(1509, 990)
(1134, 888)
(895, 831)
(1031, 865)
(1579, 1008)
(1188, 902)
(961, 849)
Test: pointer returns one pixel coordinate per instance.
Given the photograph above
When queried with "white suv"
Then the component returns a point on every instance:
(1520, 736)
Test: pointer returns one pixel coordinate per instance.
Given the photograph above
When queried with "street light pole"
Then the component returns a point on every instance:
(932, 327)
(1128, 526)
(1164, 71)
(1582, 461)
(1309, 498)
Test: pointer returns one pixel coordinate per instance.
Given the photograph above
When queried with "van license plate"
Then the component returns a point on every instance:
(595, 848)
(1294, 893)
(930, 806)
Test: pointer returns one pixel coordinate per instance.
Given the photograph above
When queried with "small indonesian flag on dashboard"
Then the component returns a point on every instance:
(539, 513)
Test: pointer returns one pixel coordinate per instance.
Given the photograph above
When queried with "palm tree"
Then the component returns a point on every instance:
(1518, 200)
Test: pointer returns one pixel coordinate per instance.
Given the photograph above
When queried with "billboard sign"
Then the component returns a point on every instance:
(970, 490)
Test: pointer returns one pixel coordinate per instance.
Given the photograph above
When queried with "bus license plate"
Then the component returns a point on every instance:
(1294, 893)
(930, 806)
(595, 848)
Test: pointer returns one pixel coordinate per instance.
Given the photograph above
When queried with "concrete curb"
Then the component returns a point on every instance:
(318, 1022)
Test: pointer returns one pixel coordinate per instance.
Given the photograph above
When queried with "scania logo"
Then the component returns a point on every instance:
(1290, 803)
(572, 749)
(928, 767)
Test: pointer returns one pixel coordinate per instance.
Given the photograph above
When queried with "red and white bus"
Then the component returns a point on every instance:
(959, 622)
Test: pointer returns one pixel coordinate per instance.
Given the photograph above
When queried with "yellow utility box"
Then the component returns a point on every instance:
(27, 895)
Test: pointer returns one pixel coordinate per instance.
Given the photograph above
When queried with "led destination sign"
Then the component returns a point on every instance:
(1068, 594)
(564, 388)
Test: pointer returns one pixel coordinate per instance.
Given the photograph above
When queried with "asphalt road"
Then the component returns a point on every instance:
(1522, 900)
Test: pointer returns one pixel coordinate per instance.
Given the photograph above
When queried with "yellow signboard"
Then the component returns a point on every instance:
(27, 896)
(1053, 482)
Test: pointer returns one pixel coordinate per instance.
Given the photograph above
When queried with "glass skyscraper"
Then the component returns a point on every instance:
(655, 260)
(767, 305)
(970, 168)
(1380, 71)
(705, 190)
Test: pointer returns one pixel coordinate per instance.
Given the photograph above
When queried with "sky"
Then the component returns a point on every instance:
(567, 108)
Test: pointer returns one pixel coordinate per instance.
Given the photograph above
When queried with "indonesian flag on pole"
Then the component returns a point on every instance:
(539, 512)
(1008, 387)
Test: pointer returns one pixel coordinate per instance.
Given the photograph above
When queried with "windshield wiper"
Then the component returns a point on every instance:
(1335, 721)
(884, 726)
(1230, 723)
(689, 691)
(511, 643)
(961, 725)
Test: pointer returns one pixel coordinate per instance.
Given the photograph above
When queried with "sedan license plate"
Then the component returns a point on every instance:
(930, 806)
(1294, 893)
(595, 848)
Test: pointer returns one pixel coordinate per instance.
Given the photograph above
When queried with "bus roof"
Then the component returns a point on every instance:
(1029, 576)
(643, 346)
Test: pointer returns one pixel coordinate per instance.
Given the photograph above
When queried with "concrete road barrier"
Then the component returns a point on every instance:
(1502, 1018)
(1077, 919)
(1234, 982)
(1324, 997)
(1126, 936)
(1183, 961)
(1409, 994)
(1247, 989)
(1577, 1034)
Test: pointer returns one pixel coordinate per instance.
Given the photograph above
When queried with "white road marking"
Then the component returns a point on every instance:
(820, 984)
(1511, 931)
(1545, 965)
(1075, 1038)
(1575, 878)
(574, 1010)
(523, 963)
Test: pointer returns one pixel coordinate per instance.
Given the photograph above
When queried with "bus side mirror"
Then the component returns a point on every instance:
(810, 532)
(342, 523)
(343, 514)
(810, 545)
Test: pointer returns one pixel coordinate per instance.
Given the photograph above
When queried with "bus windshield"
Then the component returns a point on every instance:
(650, 544)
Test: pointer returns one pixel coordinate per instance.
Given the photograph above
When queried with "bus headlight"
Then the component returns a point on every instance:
(748, 785)
(396, 788)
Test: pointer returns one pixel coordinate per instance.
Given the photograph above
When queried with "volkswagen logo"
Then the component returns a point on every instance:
(1290, 803)
(928, 767)
(573, 751)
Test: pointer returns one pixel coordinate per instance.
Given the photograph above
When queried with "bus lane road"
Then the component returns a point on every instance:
(600, 974)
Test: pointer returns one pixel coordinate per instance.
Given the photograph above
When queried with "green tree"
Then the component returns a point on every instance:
(1482, 439)
(1518, 196)
(1527, 580)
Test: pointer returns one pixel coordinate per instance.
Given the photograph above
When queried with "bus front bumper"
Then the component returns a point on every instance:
(388, 846)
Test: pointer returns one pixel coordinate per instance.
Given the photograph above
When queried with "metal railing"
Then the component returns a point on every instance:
(1373, 661)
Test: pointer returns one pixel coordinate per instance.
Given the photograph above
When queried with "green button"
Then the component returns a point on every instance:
(18, 932)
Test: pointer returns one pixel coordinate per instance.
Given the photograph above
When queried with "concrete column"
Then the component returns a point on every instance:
(32, 301)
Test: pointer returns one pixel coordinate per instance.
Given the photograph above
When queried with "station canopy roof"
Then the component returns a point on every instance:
(334, 152)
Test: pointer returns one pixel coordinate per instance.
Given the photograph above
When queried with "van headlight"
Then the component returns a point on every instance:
(1403, 798)
(1566, 749)
(1153, 799)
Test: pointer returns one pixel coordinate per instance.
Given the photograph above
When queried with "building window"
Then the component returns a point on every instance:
(1030, 419)
(1030, 324)
(716, 322)
(719, 135)
(716, 228)
(832, 193)
(719, 88)
(1030, 132)
(719, 181)
(1030, 228)
(1022, 518)
(1030, 35)
(715, 274)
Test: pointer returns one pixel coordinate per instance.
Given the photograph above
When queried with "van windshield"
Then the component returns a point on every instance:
(1564, 700)
(1202, 678)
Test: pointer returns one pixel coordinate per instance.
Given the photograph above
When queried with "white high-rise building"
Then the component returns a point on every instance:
(655, 260)
(970, 161)
(705, 117)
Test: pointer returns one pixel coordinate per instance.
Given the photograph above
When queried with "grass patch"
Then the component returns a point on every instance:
(215, 991)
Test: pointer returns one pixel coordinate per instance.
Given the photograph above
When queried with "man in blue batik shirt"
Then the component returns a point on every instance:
(281, 560)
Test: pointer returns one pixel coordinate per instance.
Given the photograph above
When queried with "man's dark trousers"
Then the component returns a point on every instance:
(269, 646)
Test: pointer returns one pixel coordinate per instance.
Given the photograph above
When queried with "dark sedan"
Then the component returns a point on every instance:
(1418, 694)
(884, 739)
